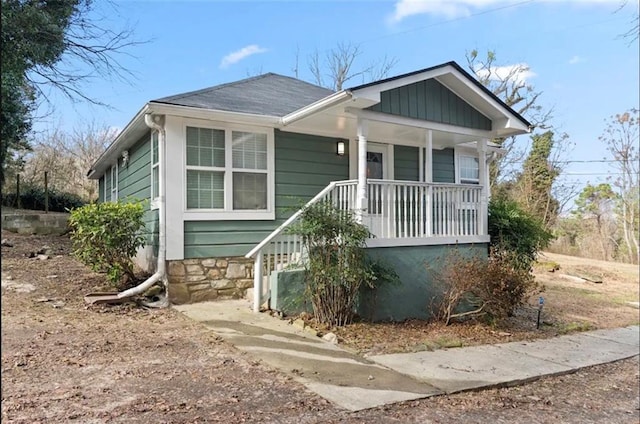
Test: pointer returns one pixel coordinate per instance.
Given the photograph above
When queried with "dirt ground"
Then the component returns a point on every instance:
(65, 362)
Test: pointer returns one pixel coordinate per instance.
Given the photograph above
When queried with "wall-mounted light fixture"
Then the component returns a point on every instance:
(340, 146)
(125, 157)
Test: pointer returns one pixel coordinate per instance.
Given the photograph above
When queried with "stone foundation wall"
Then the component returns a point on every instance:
(200, 280)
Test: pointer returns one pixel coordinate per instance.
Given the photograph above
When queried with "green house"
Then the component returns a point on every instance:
(226, 168)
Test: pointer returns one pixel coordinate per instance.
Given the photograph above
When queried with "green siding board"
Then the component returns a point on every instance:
(305, 164)
(107, 183)
(437, 101)
(226, 226)
(453, 108)
(421, 99)
(432, 101)
(217, 251)
(297, 190)
(238, 237)
(413, 101)
(443, 166)
(135, 177)
(446, 117)
(394, 102)
(403, 99)
(406, 163)
(101, 189)
(385, 102)
(309, 172)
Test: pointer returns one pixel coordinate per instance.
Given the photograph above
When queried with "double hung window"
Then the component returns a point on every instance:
(228, 170)
(469, 169)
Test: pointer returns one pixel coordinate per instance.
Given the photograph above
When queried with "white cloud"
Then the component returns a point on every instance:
(519, 72)
(238, 55)
(450, 9)
(576, 59)
(447, 8)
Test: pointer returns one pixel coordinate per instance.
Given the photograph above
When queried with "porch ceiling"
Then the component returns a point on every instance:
(336, 122)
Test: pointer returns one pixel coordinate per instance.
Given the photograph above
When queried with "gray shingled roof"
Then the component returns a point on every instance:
(267, 94)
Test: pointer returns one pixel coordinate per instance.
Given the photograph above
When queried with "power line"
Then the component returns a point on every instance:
(598, 173)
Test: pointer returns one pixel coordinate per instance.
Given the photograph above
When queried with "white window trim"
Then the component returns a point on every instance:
(155, 204)
(462, 151)
(228, 214)
(113, 177)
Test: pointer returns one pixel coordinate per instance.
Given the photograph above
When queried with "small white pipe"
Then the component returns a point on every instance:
(160, 274)
(160, 268)
(142, 287)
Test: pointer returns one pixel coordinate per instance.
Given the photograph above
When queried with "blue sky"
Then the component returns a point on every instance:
(577, 58)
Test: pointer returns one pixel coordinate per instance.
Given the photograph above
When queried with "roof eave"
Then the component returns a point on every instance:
(112, 151)
(316, 107)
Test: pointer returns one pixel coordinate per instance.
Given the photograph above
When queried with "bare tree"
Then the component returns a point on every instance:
(632, 34)
(509, 83)
(339, 66)
(91, 50)
(621, 137)
(67, 156)
(296, 63)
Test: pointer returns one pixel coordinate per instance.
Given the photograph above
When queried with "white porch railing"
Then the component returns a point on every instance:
(396, 209)
(281, 249)
(405, 209)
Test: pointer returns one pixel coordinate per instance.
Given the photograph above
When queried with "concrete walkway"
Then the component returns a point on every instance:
(356, 383)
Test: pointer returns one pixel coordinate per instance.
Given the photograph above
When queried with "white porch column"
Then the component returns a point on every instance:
(361, 202)
(484, 183)
(428, 178)
(428, 163)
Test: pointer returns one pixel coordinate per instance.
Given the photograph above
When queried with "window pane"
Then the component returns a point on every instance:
(205, 190)
(469, 168)
(156, 181)
(205, 147)
(249, 191)
(154, 147)
(249, 150)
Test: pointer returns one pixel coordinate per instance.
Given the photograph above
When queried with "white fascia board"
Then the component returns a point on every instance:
(216, 115)
(109, 155)
(418, 123)
(319, 106)
(373, 91)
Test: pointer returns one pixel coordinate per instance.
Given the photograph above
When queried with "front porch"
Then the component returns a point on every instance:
(397, 213)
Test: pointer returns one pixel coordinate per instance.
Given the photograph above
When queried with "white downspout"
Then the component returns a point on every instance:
(160, 274)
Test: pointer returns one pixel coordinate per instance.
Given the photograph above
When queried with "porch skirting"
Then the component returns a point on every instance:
(200, 280)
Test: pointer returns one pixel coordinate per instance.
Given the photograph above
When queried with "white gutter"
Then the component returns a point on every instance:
(213, 114)
(318, 106)
(160, 274)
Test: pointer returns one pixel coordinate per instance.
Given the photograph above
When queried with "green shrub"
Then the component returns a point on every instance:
(473, 286)
(106, 236)
(32, 197)
(337, 266)
(514, 230)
